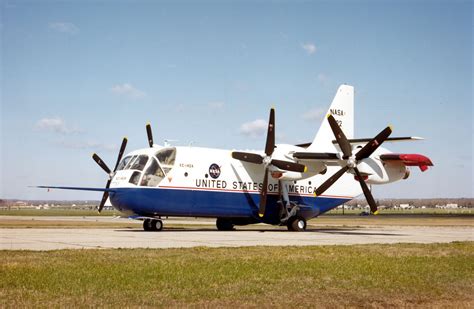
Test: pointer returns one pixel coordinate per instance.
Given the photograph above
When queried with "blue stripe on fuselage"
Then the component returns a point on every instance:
(200, 203)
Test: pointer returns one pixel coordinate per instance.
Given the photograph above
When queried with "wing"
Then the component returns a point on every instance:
(366, 140)
(78, 188)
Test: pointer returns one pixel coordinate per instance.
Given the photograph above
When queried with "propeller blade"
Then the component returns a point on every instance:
(270, 145)
(121, 151)
(263, 195)
(367, 193)
(247, 157)
(149, 134)
(104, 196)
(330, 181)
(374, 143)
(101, 163)
(340, 137)
(289, 166)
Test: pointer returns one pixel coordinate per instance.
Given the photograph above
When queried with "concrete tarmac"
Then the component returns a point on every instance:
(102, 238)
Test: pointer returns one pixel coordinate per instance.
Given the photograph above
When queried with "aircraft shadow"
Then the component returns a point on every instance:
(335, 231)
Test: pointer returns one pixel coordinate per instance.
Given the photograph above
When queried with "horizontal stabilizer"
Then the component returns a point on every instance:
(408, 159)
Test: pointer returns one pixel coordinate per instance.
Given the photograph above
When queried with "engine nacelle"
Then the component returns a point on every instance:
(284, 152)
(381, 173)
(291, 176)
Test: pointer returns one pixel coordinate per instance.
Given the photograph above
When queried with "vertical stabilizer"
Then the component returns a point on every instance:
(342, 108)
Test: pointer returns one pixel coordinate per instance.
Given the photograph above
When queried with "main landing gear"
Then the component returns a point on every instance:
(224, 224)
(289, 211)
(152, 225)
(297, 224)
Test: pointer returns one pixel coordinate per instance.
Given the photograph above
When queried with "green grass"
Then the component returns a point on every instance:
(323, 276)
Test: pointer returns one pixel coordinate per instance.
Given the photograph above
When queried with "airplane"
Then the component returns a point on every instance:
(282, 185)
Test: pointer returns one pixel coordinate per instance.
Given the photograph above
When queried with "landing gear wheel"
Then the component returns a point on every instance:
(147, 225)
(152, 225)
(297, 224)
(224, 224)
(156, 225)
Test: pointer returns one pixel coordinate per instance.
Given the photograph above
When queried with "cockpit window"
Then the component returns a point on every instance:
(166, 157)
(139, 163)
(123, 163)
(153, 175)
(129, 163)
(135, 178)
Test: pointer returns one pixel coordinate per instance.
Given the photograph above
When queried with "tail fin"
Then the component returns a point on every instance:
(342, 108)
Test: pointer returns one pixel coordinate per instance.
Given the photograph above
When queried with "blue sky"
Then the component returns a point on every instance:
(77, 76)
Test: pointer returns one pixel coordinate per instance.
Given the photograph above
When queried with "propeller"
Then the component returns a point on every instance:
(149, 134)
(353, 160)
(104, 166)
(267, 161)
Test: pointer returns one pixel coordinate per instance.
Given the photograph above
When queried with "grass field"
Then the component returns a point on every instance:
(440, 275)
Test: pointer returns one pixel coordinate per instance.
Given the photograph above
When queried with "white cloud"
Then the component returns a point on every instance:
(310, 48)
(128, 90)
(215, 105)
(254, 128)
(64, 27)
(87, 145)
(57, 125)
(323, 78)
(313, 114)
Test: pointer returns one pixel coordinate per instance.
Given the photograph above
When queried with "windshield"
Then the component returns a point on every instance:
(166, 157)
(139, 163)
(127, 166)
(153, 174)
(123, 163)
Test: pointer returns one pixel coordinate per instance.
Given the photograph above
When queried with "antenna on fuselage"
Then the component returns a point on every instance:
(169, 141)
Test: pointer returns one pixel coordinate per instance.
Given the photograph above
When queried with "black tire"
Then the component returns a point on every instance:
(224, 224)
(297, 224)
(156, 225)
(147, 225)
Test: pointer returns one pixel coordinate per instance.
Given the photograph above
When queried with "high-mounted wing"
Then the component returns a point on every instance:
(365, 140)
(316, 156)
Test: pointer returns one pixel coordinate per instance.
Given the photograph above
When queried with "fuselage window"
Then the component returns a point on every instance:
(153, 175)
(166, 157)
(123, 163)
(139, 163)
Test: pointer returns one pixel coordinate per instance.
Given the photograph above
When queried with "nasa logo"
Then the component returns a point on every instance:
(338, 112)
(214, 171)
